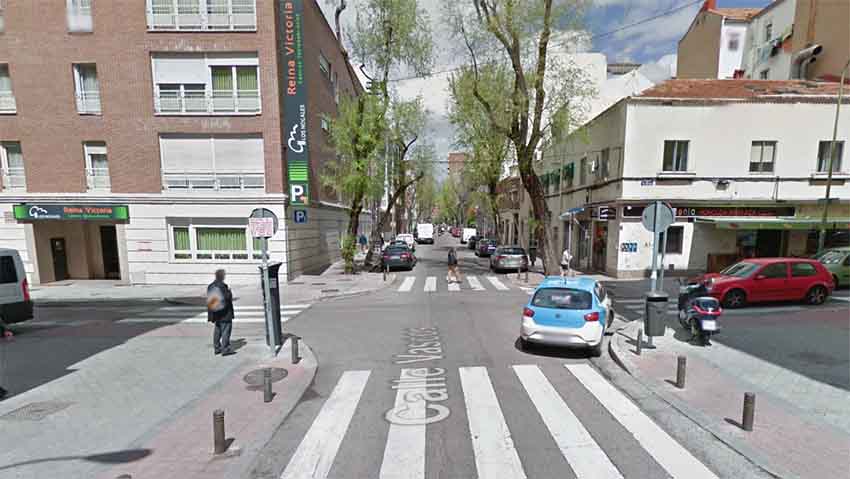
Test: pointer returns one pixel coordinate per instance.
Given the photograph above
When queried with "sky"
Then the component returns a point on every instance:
(653, 41)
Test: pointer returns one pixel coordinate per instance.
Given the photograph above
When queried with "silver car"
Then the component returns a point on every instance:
(508, 257)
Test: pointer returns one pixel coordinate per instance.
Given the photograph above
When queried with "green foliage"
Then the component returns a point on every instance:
(348, 251)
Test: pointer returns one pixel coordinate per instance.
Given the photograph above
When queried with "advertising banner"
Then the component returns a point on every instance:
(34, 212)
(295, 100)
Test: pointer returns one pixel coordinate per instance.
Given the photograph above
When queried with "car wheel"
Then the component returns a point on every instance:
(835, 280)
(735, 299)
(816, 295)
(596, 351)
(524, 345)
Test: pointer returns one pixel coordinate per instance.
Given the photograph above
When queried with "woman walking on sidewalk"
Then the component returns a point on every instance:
(453, 276)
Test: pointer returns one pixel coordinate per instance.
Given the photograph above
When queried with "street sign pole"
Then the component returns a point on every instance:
(654, 275)
(661, 266)
(267, 296)
(263, 224)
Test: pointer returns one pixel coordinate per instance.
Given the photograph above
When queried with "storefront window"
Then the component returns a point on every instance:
(675, 238)
(182, 245)
(214, 243)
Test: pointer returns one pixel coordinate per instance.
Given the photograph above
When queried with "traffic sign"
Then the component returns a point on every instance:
(607, 213)
(657, 217)
(299, 216)
(263, 223)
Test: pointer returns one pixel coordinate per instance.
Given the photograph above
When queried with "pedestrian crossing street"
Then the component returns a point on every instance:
(198, 314)
(433, 284)
(493, 445)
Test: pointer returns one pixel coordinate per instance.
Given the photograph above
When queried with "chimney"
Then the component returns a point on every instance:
(709, 5)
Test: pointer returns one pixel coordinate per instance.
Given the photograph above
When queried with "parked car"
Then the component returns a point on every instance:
(508, 257)
(770, 279)
(837, 262)
(571, 312)
(485, 247)
(408, 239)
(15, 302)
(471, 242)
(398, 256)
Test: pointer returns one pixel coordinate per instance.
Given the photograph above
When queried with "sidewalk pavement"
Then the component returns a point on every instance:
(332, 283)
(143, 407)
(802, 428)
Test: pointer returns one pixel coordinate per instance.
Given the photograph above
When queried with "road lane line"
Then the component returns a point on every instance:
(404, 455)
(430, 284)
(474, 283)
(316, 453)
(495, 454)
(840, 298)
(674, 458)
(454, 287)
(498, 284)
(583, 454)
(407, 284)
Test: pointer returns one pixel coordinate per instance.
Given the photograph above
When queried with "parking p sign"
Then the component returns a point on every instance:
(299, 216)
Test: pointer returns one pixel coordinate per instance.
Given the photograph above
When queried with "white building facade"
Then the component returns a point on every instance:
(767, 51)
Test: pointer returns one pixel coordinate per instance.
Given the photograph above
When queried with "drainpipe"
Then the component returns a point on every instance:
(832, 146)
(801, 59)
(337, 13)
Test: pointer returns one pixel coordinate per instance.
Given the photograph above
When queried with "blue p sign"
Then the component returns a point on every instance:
(300, 216)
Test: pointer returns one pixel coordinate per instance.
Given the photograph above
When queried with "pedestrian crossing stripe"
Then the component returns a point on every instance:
(497, 283)
(431, 286)
(474, 283)
(183, 314)
(496, 455)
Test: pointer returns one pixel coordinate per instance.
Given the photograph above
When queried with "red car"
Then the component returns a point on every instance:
(770, 279)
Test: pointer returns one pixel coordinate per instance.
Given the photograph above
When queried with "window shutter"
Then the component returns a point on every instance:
(186, 153)
(239, 154)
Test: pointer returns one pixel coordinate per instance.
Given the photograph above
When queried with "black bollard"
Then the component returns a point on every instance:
(296, 358)
(639, 341)
(219, 445)
(681, 364)
(267, 385)
(749, 411)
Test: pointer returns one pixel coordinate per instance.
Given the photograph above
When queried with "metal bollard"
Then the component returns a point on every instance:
(385, 268)
(267, 385)
(219, 445)
(296, 358)
(526, 275)
(681, 364)
(639, 341)
(749, 411)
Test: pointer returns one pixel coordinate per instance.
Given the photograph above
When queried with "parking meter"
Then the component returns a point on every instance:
(274, 333)
(655, 314)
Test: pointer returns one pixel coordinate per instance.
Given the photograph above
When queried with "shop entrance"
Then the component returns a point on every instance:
(109, 246)
(769, 243)
(600, 245)
(76, 250)
(60, 258)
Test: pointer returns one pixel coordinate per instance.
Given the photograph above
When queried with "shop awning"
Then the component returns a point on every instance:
(749, 223)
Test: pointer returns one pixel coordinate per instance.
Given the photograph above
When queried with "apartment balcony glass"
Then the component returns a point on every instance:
(79, 16)
(177, 101)
(213, 181)
(14, 178)
(88, 102)
(7, 102)
(202, 15)
(98, 179)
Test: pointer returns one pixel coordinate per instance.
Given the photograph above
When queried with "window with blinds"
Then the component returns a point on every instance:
(7, 98)
(79, 13)
(223, 84)
(12, 166)
(87, 88)
(200, 242)
(212, 163)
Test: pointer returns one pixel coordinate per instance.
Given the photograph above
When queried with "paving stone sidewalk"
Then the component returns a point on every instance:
(800, 424)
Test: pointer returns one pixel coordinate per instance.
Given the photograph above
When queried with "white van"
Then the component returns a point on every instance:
(15, 303)
(425, 233)
(468, 233)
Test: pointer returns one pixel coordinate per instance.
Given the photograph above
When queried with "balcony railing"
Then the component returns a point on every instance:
(13, 179)
(88, 102)
(202, 102)
(98, 179)
(170, 20)
(7, 102)
(208, 181)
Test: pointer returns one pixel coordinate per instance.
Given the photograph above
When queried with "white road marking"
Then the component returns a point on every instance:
(430, 284)
(495, 454)
(841, 298)
(407, 284)
(404, 455)
(454, 287)
(674, 458)
(474, 283)
(583, 454)
(316, 453)
(497, 283)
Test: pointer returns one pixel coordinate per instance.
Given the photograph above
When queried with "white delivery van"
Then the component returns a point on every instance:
(15, 303)
(425, 233)
(468, 233)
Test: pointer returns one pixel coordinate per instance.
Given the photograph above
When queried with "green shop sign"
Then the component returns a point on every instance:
(36, 212)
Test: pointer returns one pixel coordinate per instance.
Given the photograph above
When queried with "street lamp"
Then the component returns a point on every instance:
(832, 146)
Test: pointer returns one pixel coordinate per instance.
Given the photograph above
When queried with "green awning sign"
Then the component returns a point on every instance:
(38, 212)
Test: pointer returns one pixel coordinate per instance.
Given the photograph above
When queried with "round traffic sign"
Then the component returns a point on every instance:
(263, 223)
(657, 217)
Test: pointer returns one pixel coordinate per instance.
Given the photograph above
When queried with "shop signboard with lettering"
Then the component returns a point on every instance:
(635, 211)
(295, 101)
(39, 212)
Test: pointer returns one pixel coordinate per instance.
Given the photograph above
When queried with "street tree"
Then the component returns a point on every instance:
(545, 90)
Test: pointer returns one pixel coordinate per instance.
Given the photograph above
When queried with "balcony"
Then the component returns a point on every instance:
(88, 102)
(213, 181)
(7, 102)
(13, 179)
(217, 102)
(241, 19)
(98, 179)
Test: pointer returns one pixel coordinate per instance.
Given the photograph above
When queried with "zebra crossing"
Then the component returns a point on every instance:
(493, 445)
(468, 283)
(198, 314)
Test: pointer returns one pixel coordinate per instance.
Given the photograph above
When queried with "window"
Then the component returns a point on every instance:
(675, 238)
(676, 155)
(202, 15)
(335, 82)
(2, 16)
(12, 166)
(206, 84)
(734, 42)
(211, 163)
(214, 243)
(604, 158)
(562, 298)
(824, 148)
(569, 173)
(582, 173)
(325, 66)
(800, 270)
(79, 15)
(87, 88)
(768, 32)
(97, 169)
(764, 74)
(7, 98)
(325, 125)
(600, 292)
(8, 272)
(775, 271)
(762, 156)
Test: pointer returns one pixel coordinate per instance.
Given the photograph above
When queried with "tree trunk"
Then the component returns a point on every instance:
(354, 215)
(493, 194)
(539, 210)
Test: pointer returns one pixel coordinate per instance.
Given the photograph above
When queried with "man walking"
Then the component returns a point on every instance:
(220, 313)
(566, 260)
(452, 276)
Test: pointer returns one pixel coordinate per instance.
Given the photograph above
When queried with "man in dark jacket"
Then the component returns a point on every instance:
(220, 313)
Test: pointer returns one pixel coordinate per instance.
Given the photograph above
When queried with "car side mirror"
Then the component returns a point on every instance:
(761, 276)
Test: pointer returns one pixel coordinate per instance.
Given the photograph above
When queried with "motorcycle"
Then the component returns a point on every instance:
(699, 313)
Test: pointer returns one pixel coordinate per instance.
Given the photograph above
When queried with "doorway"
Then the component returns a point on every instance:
(60, 259)
(109, 246)
(768, 243)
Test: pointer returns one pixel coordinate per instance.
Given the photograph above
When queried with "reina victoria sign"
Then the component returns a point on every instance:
(37, 212)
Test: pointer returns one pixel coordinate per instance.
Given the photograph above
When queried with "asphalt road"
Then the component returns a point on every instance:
(487, 409)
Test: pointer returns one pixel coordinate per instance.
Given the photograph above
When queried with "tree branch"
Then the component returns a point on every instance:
(539, 89)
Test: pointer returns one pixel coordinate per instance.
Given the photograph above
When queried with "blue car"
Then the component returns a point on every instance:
(571, 312)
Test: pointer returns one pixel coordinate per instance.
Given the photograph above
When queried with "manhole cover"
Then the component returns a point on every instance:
(36, 411)
(255, 377)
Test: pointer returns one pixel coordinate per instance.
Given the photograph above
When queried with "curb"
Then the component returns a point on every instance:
(701, 420)
(360, 292)
(58, 303)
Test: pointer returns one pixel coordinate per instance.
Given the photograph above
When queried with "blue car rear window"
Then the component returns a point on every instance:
(562, 298)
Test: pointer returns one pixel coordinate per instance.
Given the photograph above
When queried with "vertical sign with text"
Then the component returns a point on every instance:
(295, 101)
